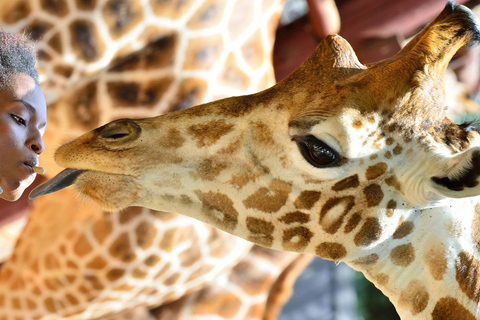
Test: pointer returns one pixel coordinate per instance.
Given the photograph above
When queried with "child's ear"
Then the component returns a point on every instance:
(461, 179)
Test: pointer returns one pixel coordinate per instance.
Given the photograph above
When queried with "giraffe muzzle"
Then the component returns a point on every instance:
(62, 180)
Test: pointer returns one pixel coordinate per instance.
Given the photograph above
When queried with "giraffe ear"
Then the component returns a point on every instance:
(462, 178)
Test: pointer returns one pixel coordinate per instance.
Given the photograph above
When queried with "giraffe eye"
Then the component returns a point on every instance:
(316, 152)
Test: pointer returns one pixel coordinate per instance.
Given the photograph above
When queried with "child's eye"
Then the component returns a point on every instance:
(19, 120)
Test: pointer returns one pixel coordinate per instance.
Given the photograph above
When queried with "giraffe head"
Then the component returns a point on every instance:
(331, 161)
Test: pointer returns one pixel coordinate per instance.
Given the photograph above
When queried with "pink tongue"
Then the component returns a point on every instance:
(62, 180)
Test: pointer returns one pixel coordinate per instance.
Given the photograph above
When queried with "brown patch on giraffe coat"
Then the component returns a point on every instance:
(190, 93)
(209, 133)
(94, 282)
(449, 308)
(357, 124)
(57, 8)
(37, 29)
(389, 141)
(403, 255)
(208, 15)
(19, 11)
(468, 275)
(334, 211)
(414, 298)
(55, 43)
(253, 284)
(84, 107)
(86, 41)
(261, 231)
(373, 194)
(209, 169)
(190, 256)
(376, 170)
(253, 51)
(295, 217)
(388, 155)
(64, 71)
(121, 249)
(353, 222)
(370, 259)
(82, 247)
(139, 274)
(129, 215)
(174, 139)
(215, 202)
(121, 16)
(435, 260)
(97, 263)
(115, 274)
(200, 272)
(397, 150)
(151, 260)
(296, 239)
(393, 182)
(133, 94)
(307, 199)
(403, 230)
(170, 9)
(382, 279)
(347, 183)
(86, 4)
(233, 75)
(225, 304)
(476, 227)
(391, 206)
(368, 233)
(269, 199)
(331, 251)
(50, 305)
(203, 52)
(262, 133)
(145, 234)
(373, 156)
(51, 262)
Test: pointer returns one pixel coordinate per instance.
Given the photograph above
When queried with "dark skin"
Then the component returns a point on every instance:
(23, 120)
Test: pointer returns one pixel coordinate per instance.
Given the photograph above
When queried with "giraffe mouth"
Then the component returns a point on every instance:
(62, 180)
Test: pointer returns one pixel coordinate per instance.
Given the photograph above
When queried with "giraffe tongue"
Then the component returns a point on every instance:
(62, 180)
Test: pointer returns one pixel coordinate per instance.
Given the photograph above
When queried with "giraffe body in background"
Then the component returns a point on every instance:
(103, 60)
(349, 162)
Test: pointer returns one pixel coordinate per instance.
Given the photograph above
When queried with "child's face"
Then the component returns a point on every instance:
(23, 120)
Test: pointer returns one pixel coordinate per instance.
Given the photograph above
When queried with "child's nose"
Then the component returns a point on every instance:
(36, 143)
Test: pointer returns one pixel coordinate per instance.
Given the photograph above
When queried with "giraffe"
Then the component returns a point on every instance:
(349, 162)
(98, 264)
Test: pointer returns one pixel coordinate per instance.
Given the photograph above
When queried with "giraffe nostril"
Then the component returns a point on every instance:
(120, 130)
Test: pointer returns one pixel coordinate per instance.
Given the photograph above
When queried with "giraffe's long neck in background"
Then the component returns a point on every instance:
(430, 266)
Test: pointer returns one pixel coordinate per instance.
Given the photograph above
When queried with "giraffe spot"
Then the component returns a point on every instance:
(219, 209)
(209, 133)
(16, 304)
(347, 183)
(121, 249)
(252, 283)
(208, 15)
(376, 170)
(37, 29)
(269, 199)
(261, 231)
(102, 229)
(262, 133)
(435, 260)
(151, 260)
(393, 182)
(388, 155)
(357, 124)
(31, 305)
(82, 247)
(63, 70)
(374, 156)
(190, 93)
(97, 263)
(145, 233)
(233, 75)
(129, 215)
(139, 274)
(58, 8)
(391, 206)
(85, 40)
(403, 230)
(190, 256)
(389, 141)
(373, 194)
(51, 262)
(307, 199)
(476, 227)
(369, 232)
(86, 4)
(121, 16)
(18, 12)
(331, 251)
(468, 275)
(203, 52)
(84, 107)
(170, 281)
(133, 94)
(170, 9)
(209, 169)
(334, 211)
(253, 51)
(115, 274)
(403, 255)
(50, 305)
(450, 309)
(296, 239)
(370, 259)
(414, 297)
(397, 150)
(93, 282)
(199, 273)
(174, 139)
(224, 304)
(382, 279)
(295, 217)
(353, 222)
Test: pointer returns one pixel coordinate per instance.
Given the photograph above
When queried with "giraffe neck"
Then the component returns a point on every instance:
(430, 266)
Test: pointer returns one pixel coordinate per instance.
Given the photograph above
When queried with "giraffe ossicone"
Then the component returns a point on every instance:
(345, 161)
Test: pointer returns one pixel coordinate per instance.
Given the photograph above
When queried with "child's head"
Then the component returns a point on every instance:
(23, 115)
